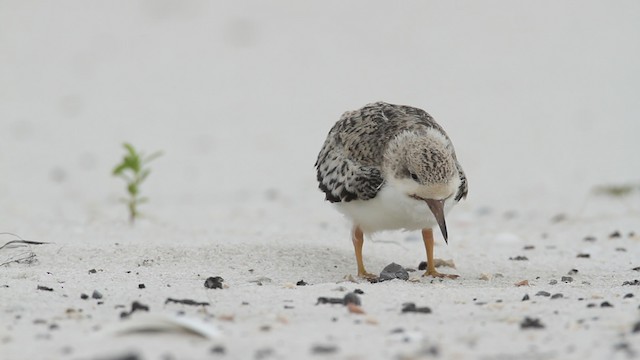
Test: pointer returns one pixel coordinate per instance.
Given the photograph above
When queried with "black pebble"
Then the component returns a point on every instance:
(324, 349)
(615, 234)
(358, 291)
(636, 327)
(627, 296)
(394, 271)
(525, 297)
(519, 258)
(301, 283)
(529, 247)
(530, 323)
(92, 271)
(606, 304)
(218, 349)
(411, 307)
(637, 268)
(84, 296)
(351, 298)
(136, 306)
(567, 279)
(96, 294)
(572, 272)
(553, 282)
(213, 282)
(590, 238)
(557, 296)
(590, 305)
(543, 293)
(635, 282)
(141, 286)
(44, 288)
(422, 266)
(586, 256)
(328, 300)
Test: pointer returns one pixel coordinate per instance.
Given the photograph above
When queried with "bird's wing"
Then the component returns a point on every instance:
(463, 189)
(348, 166)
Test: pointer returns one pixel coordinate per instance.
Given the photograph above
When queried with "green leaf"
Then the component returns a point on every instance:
(119, 169)
(130, 149)
(133, 189)
(144, 174)
(143, 200)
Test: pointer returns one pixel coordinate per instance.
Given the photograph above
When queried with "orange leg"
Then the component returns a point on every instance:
(358, 241)
(427, 237)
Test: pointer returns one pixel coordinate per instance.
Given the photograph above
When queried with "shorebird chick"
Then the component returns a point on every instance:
(390, 167)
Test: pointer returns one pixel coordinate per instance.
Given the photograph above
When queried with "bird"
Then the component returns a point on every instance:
(391, 167)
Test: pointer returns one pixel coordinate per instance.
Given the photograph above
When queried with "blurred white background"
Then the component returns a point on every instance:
(540, 98)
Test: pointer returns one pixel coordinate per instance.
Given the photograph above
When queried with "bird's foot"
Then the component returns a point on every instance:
(436, 274)
(367, 276)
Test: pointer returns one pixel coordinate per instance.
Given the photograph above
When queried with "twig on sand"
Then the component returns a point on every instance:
(28, 256)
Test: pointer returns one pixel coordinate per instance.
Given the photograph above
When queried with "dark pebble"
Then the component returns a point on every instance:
(218, 349)
(525, 297)
(529, 247)
(141, 286)
(328, 300)
(582, 255)
(100, 302)
(615, 234)
(635, 282)
(44, 288)
(567, 279)
(96, 294)
(288, 307)
(636, 327)
(422, 265)
(351, 298)
(84, 296)
(519, 258)
(358, 291)
(557, 296)
(531, 323)
(553, 282)
(54, 327)
(590, 305)
(606, 304)
(136, 306)
(543, 293)
(394, 271)
(186, 302)
(590, 238)
(411, 307)
(213, 282)
(627, 296)
(324, 349)
(92, 271)
(621, 249)
(301, 283)
(572, 272)
(637, 268)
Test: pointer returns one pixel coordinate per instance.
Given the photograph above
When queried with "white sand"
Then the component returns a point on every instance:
(540, 101)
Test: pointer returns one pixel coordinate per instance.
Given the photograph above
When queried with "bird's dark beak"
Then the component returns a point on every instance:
(437, 208)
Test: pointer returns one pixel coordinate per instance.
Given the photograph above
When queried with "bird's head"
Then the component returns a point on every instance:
(423, 166)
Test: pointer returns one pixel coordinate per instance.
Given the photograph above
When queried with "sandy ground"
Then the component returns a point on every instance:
(540, 101)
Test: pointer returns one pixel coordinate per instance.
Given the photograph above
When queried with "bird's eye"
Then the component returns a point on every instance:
(414, 176)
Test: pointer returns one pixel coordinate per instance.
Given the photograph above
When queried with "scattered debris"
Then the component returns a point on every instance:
(529, 247)
(218, 349)
(621, 249)
(589, 238)
(615, 190)
(606, 304)
(213, 282)
(411, 307)
(553, 282)
(84, 296)
(637, 268)
(636, 327)
(557, 296)
(154, 323)
(261, 280)
(615, 234)
(525, 297)
(301, 283)
(394, 271)
(135, 306)
(141, 286)
(522, 283)
(583, 255)
(567, 279)
(349, 298)
(627, 296)
(358, 291)
(531, 323)
(519, 258)
(96, 294)
(543, 293)
(324, 349)
(635, 282)
(484, 276)
(329, 300)
(93, 271)
(186, 302)
(572, 272)
(44, 288)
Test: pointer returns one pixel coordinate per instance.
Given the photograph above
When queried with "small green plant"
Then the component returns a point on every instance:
(133, 169)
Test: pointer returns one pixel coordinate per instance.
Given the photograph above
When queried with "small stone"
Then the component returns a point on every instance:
(590, 305)
(615, 234)
(136, 306)
(621, 249)
(394, 271)
(525, 297)
(422, 265)
(567, 279)
(636, 327)
(141, 286)
(572, 272)
(606, 304)
(553, 282)
(628, 296)
(351, 298)
(324, 349)
(93, 271)
(637, 268)
(583, 255)
(358, 291)
(529, 247)
(96, 294)
(589, 238)
(44, 288)
(54, 327)
(328, 300)
(557, 296)
(301, 283)
(411, 307)
(84, 296)
(213, 282)
(531, 323)
(543, 293)
(635, 282)
(218, 349)
(519, 258)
